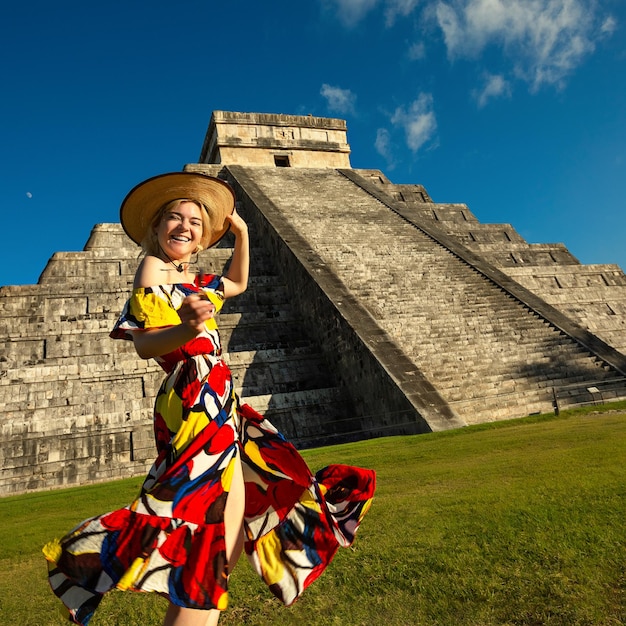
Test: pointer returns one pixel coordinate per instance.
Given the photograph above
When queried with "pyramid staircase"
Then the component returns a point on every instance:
(592, 295)
(491, 349)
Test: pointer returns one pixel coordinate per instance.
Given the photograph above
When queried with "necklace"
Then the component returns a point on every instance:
(179, 268)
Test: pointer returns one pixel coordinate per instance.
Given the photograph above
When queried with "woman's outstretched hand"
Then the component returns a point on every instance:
(237, 225)
(235, 281)
(194, 311)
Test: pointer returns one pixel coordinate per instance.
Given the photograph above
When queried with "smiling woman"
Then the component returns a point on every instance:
(223, 475)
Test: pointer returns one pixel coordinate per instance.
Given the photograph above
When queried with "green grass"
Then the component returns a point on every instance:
(516, 523)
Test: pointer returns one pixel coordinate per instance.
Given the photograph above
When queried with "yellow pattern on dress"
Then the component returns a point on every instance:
(52, 551)
(268, 547)
(151, 309)
(154, 309)
(170, 406)
(307, 500)
(131, 574)
(218, 302)
(254, 454)
(227, 474)
(192, 426)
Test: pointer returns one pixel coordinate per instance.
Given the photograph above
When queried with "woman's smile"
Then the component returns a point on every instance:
(180, 231)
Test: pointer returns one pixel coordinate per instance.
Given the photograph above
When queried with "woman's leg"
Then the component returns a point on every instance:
(233, 517)
(179, 616)
(233, 530)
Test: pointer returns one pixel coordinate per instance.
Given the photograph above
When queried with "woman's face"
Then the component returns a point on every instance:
(180, 231)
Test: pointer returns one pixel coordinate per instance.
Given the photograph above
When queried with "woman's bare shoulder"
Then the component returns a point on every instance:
(151, 271)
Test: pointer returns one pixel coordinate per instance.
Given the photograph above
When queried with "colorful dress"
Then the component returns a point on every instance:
(171, 538)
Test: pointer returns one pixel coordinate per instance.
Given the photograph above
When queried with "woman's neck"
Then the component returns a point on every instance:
(180, 265)
(178, 270)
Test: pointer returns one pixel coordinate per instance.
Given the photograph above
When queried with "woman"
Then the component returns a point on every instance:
(223, 474)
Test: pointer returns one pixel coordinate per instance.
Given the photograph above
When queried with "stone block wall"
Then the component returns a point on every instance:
(267, 139)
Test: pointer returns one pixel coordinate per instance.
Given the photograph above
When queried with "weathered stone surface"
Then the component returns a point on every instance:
(275, 140)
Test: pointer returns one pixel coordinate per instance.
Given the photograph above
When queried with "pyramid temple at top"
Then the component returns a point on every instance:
(372, 310)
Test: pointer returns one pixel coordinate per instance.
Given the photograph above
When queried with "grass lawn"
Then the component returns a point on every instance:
(515, 523)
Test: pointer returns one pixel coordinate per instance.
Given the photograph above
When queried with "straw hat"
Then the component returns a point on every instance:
(143, 201)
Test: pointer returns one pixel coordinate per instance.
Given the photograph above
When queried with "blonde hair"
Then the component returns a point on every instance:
(150, 242)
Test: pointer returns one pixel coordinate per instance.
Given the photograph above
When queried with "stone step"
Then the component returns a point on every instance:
(470, 234)
(70, 305)
(528, 386)
(78, 403)
(505, 254)
(285, 365)
(323, 409)
(86, 384)
(499, 406)
(118, 266)
(59, 459)
(446, 214)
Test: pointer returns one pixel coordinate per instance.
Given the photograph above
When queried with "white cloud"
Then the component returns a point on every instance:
(545, 39)
(419, 121)
(383, 144)
(352, 11)
(339, 100)
(29, 194)
(608, 26)
(417, 51)
(400, 8)
(495, 86)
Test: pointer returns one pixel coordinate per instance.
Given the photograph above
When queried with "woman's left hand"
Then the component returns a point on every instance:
(235, 280)
(237, 224)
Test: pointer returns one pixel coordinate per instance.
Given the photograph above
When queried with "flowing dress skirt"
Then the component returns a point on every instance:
(170, 540)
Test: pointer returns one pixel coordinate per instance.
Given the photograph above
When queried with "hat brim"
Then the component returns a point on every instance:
(143, 202)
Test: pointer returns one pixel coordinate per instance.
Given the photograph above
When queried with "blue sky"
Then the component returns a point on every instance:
(516, 108)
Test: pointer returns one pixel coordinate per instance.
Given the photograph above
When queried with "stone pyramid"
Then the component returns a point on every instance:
(371, 311)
